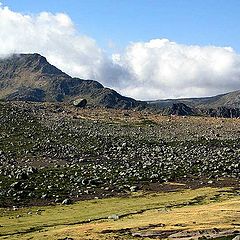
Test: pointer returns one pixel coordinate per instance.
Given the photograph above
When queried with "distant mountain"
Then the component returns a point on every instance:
(30, 77)
(229, 100)
(223, 105)
(179, 109)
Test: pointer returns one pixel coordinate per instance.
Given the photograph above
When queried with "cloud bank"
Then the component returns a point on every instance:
(155, 69)
(162, 68)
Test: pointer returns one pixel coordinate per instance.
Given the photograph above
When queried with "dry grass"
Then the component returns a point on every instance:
(189, 209)
(216, 215)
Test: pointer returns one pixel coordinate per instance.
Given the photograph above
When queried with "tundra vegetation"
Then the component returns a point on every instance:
(70, 173)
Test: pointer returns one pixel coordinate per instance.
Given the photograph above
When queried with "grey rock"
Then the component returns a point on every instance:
(80, 102)
(66, 201)
(133, 188)
(236, 238)
(113, 216)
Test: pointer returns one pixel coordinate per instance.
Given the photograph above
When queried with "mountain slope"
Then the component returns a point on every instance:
(29, 77)
(229, 100)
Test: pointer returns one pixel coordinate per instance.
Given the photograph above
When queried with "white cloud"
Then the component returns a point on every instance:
(52, 35)
(164, 69)
(145, 70)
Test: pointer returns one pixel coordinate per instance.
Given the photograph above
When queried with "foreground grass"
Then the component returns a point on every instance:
(189, 209)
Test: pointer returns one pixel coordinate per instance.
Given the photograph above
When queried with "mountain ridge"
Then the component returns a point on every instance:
(230, 99)
(30, 77)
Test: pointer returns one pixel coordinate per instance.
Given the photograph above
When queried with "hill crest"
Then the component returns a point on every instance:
(30, 77)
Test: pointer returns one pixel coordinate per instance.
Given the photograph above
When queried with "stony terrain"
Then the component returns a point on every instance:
(80, 161)
(52, 152)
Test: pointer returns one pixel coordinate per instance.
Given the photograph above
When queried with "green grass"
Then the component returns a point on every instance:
(21, 224)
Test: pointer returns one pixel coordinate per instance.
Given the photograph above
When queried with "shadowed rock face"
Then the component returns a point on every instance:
(29, 77)
(224, 105)
(179, 109)
(223, 112)
(27, 94)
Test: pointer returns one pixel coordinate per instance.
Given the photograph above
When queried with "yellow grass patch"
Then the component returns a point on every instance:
(189, 209)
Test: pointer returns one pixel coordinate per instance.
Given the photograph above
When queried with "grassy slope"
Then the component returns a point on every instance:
(207, 207)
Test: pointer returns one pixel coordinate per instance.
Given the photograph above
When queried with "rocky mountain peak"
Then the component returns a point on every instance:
(27, 62)
(30, 77)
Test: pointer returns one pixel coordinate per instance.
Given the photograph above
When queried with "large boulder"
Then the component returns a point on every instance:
(80, 102)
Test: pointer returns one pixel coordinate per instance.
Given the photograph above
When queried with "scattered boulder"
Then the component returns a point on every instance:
(80, 102)
(133, 189)
(113, 216)
(236, 238)
(66, 201)
(16, 185)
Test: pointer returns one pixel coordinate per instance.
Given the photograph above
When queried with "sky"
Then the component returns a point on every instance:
(201, 22)
(146, 49)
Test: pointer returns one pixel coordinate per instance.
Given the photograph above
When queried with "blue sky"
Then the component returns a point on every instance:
(201, 22)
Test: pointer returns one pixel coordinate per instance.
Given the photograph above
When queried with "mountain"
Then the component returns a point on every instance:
(228, 100)
(223, 105)
(179, 109)
(30, 77)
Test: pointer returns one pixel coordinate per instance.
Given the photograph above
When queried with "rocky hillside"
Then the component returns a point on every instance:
(179, 109)
(228, 100)
(29, 77)
(53, 151)
(224, 105)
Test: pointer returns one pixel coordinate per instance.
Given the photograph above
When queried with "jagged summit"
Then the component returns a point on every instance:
(28, 62)
(30, 77)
